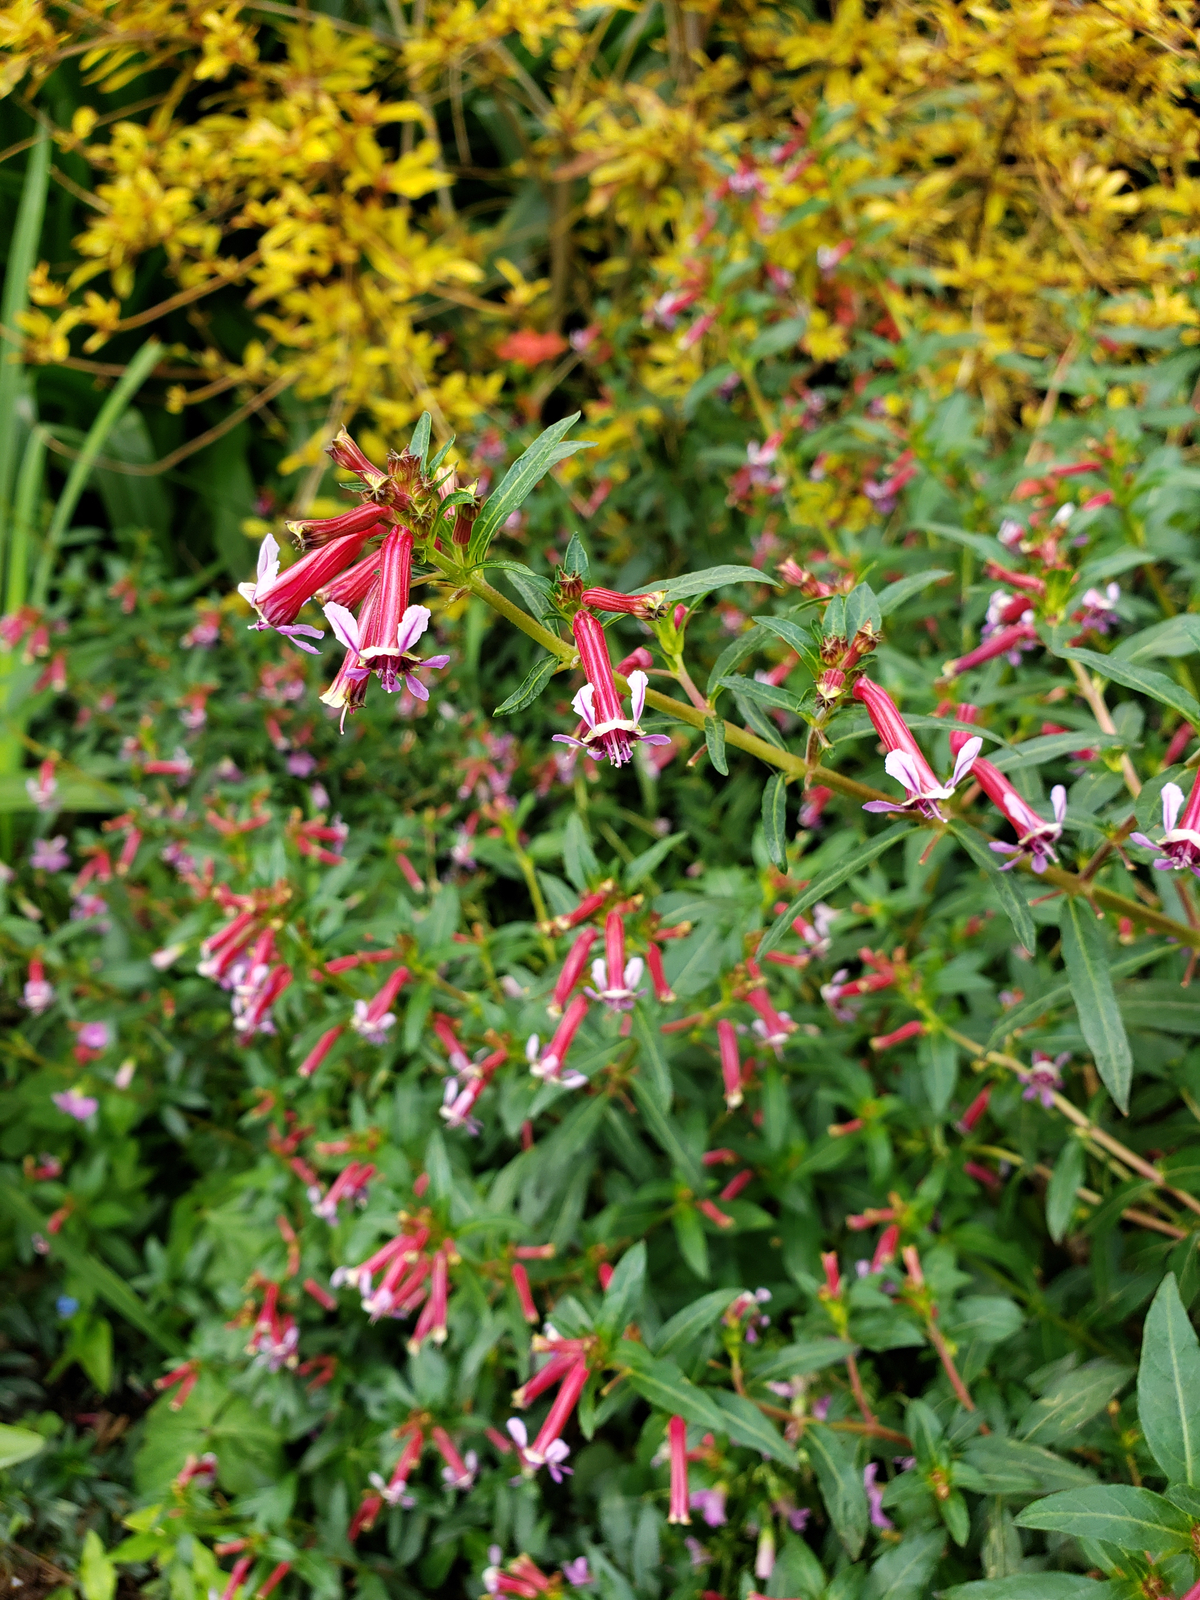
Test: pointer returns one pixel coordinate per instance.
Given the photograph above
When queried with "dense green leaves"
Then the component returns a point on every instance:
(1092, 989)
(1118, 1514)
(1168, 1388)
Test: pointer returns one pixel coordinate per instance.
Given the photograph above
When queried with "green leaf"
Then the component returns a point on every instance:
(623, 1297)
(1091, 983)
(576, 561)
(521, 479)
(532, 684)
(826, 882)
(774, 819)
(579, 859)
(248, 1449)
(746, 1425)
(650, 860)
(792, 634)
(18, 1444)
(732, 656)
(1073, 1399)
(1132, 1519)
(991, 549)
(1142, 679)
(679, 1331)
(835, 1462)
(704, 386)
(1012, 1466)
(665, 1387)
(691, 1239)
(776, 338)
(796, 1360)
(764, 694)
(1061, 1198)
(693, 963)
(714, 738)
(97, 1574)
(650, 1057)
(1034, 1586)
(126, 386)
(432, 466)
(663, 1132)
(1177, 636)
(1046, 747)
(904, 1571)
(753, 715)
(894, 596)
(692, 584)
(1029, 1011)
(101, 1279)
(22, 255)
(419, 444)
(1012, 901)
(939, 1070)
(1161, 1006)
(1169, 1386)
(535, 590)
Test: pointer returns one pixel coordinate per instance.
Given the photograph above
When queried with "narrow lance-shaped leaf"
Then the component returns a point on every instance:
(774, 819)
(1142, 679)
(1169, 1386)
(826, 882)
(1131, 1519)
(1016, 907)
(714, 738)
(521, 479)
(534, 681)
(1095, 998)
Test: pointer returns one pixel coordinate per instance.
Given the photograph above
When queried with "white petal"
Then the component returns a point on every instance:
(966, 760)
(633, 971)
(898, 764)
(1058, 799)
(583, 705)
(268, 561)
(343, 623)
(516, 1430)
(600, 974)
(1172, 804)
(412, 625)
(637, 692)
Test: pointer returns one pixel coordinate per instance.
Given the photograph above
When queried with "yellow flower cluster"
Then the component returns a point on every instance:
(994, 175)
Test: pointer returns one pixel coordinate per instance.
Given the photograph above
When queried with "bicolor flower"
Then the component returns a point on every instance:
(598, 705)
(615, 978)
(548, 1063)
(459, 1472)
(395, 1491)
(1179, 847)
(731, 1066)
(1099, 610)
(459, 1103)
(37, 995)
(572, 970)
(372, 1019)
(394, 661)
(273, 598)
(1044, 1078)
(73, 1104)
(905, 762)
(1035, 836)
(274, 1336)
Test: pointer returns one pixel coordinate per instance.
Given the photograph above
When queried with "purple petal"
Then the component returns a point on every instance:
(881, 805)
(268, 561)
(415, 687)
(344, 625)
(1005, 849)
(566, 738)
(1140, 838)
(412, 625)
(656, 738)
(899, 764)
(1058, 799)
(582, 705)
(436, 663)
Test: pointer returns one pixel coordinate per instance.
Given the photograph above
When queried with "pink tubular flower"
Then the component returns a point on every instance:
(875, 1497)
(431, 1324)
(545, 1377)
(319, 1051)
(273, 1579)
(885, 1250)
(677, 1435)
(1179, 848)
(520, 1280)
(548, 1063)
(598, 705)
(185, 1376)
(588, 905)
(908, 1030)
(1020, 636)
(663, 991)
(394, 1490)
(904, 761)
(350, 1184)
(458, 1473)
(278, 599)
(646, 606)
(37, 995)
(253, 999)
(974, 1111)
(458, 1104)
(1035, 836)
(43, 789)
(274, 1336)
(372, 1020)
(240, 1568)
(731, 1066)
(615, 978)
(572, 971)
(773, 1027)
(522, 1578)
(542, 1452)
(395, 661)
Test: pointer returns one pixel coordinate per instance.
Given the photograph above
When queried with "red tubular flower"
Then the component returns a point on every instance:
(364, 1518)
(1035, 836)
(393, 1491)
(432, 1322)
(240, 1568)
(1180, 740)
(663, 991)
(548, 1064)
(614, 978)
(319, 1051)
(185, 1376)
(639, 658)
(885, 1250)
(443, 1026)
(677, 1437)
(904, 761)
(773, 1027)
(458, 1104)
(1180, 845)
(278, 602)
(572, 971)
(909, 1030)
(1001, 642)
(714, 1213)
(545, 1378)
(252, 1002)
(598, 705)
(560, 1411)
(459, 1474)
(604, 1272)
(273, 1579)
(588, 906)
(520, 1280)
(311, 533)
(975, 1110)
(833, 1277)
(646, 606)
(736, 1184)
(322, 1296)
(731, 1066)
